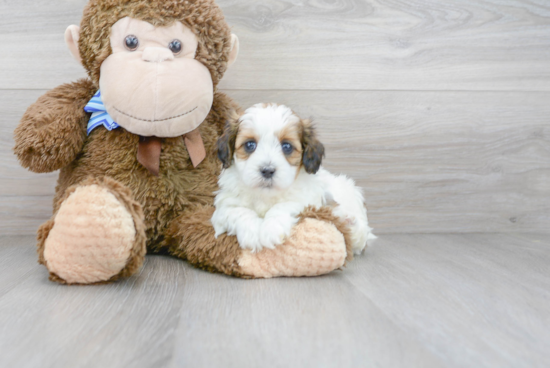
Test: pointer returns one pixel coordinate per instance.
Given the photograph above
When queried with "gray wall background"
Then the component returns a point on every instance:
(439, 109)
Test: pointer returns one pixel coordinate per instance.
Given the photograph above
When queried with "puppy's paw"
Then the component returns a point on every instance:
(249, 238)
(219, 222)
(275, 230)
(271, 237)
(219, 229)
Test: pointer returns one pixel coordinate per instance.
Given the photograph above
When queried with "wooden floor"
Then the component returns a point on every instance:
(438, 108)
(477, 300)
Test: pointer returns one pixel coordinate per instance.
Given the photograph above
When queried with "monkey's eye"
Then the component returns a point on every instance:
(175, 46)
(131, 42)
(250, 146)
(287, 148)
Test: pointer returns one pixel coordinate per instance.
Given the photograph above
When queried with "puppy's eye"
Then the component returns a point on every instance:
(250, 146)
(175, 46)
(287, 148)
(131, 42)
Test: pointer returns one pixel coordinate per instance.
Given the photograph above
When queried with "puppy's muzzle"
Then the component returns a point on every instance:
(268, 172)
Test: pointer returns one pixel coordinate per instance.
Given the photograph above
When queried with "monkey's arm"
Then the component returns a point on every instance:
(53, 130)
(320, 243)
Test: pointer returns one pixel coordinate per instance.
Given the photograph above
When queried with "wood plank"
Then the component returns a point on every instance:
(436, 162)
(22, 215)
(428, 161)
(462, 300)
(32, 37)
(473, 299)
(127, 324)
(342, 44)
(307, 322)
(18, 261)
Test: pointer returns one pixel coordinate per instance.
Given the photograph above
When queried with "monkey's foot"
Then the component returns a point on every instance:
(96, 236)
(314, 248)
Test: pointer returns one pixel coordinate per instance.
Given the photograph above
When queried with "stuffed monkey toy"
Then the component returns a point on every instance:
(135, 144)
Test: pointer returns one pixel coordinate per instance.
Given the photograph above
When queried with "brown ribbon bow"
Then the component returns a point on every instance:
(149, 150)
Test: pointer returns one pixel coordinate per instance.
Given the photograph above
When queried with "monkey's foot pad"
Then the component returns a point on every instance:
(314, 248)
(92, 237)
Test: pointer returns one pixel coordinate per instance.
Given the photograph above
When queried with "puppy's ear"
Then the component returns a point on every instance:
(226, 143)
(314, 151)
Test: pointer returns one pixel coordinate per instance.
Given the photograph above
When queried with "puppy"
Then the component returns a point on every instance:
(272, 172)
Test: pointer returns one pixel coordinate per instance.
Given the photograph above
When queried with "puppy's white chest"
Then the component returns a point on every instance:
(300, 197)
(262, 206)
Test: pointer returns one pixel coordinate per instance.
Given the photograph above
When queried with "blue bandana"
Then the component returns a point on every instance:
(99, 114)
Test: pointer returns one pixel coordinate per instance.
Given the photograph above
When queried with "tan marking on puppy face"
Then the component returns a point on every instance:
(292, 134)
(245, 134)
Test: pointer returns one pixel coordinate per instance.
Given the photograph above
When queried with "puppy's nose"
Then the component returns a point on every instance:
(268, 172)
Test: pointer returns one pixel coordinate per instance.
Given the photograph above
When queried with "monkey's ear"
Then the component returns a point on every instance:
(226, 143)
(314, 151)
(234, 49)
(72, 35)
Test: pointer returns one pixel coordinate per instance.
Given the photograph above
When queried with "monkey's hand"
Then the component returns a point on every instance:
(319, 244)
(53, 130)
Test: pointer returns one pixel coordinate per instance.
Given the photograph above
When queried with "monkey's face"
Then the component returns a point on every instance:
(157, 62)
(151, 84)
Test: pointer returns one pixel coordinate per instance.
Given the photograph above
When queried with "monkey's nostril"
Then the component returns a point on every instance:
(268, 172)
(157, 54)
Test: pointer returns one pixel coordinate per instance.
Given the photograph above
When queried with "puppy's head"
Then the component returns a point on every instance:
(269, 145)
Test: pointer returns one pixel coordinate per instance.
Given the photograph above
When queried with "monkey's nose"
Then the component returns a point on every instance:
(268, 172)
(157, 54)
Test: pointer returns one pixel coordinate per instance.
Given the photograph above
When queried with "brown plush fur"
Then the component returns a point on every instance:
(53, 130)
(192, 238)
(165, 197)
(177, 205)
(203, 17)
(178, 191)
(171, 211)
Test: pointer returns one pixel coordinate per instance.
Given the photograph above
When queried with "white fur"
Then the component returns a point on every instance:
(261, 212)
